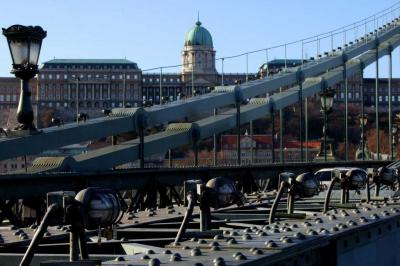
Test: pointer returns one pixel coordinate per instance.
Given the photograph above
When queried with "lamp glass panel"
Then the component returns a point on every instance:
(323, 102)
(329, 102)
(34, 54)
(19, 51)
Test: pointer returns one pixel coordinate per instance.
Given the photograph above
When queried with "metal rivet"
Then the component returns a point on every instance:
(219, 261)
(246, 237)
(271, 244)
(33, 226)
(240, 257)
(323, 231)
(258, 252)
(332, 217)
(356, 211)
(247, 230)
(154, 262)
(193, 239)
(218, 237)
(262, 233)
(299, 235)
(175, 257)
(312, 232)
(195, 252)
(119, 259)
(342, 226)
(275, 230)
(150, 251)
(215, 248)
(307, 224)
(234, 233)
(374, 216)
(232, 241)
(226, 232)
(286, 240)
(295, 226)
(201, 241)
(214, 244)
(236, 254)
(185, 247)
(167, 251)
(318, 221)
(145, 257)
(350, 222)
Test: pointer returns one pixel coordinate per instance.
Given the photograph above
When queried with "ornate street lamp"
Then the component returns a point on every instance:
(326, 107)
(25, 43)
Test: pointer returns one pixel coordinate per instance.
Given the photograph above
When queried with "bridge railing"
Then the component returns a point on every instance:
(130, 119)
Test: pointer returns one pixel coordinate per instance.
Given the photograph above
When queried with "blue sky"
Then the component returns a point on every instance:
(152, 32)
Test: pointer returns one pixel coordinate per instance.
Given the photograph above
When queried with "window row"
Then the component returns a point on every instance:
(163, 80)
(90, 66)
(89, 76)
(88, 104)
(8, 98)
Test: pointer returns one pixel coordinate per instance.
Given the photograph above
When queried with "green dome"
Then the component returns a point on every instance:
(198, 35)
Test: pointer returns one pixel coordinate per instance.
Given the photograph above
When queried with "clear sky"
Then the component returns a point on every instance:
(151, 32)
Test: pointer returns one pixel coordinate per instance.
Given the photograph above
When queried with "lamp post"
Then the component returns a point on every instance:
(362, 151)
(395, 130)
(25, 43)
(77, 99)
(393, 146)
(326, 107)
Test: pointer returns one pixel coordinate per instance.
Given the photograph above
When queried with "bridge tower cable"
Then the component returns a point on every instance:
(238, 132)
(281, 132)
(215, 147)
(362, 112)
(300, 79)
(306, 126)
(346, 111)
(272, 112)
(377, 141)
(161, 91)
(391, 148)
